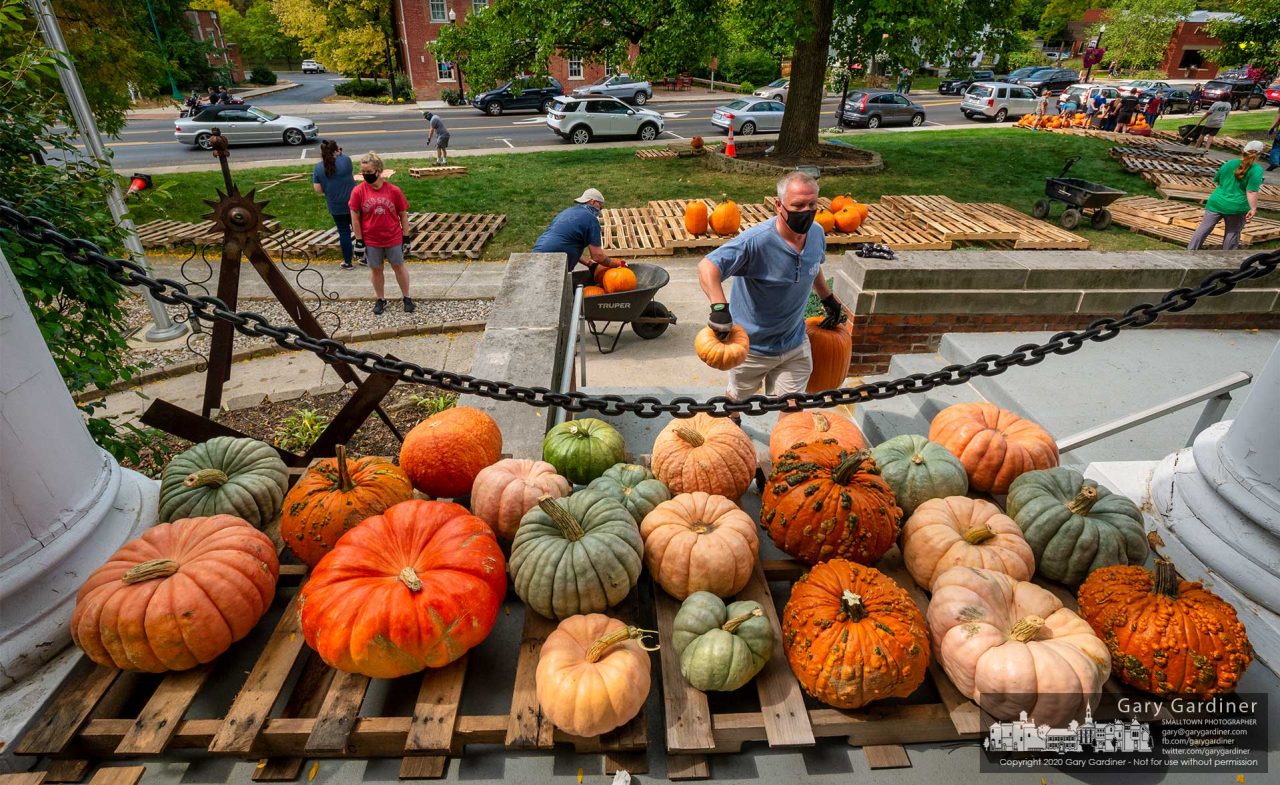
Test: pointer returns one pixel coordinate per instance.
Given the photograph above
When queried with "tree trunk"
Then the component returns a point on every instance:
(800, 121)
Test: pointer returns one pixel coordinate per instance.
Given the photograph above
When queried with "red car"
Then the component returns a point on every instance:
(1273, 94)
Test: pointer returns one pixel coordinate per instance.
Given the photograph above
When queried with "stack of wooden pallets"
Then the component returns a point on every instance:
(1169, 165)
(170, 234)
(1176, 221)
(435, 171)
(1198, 189)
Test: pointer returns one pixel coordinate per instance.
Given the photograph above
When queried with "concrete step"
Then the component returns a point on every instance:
(905, 414)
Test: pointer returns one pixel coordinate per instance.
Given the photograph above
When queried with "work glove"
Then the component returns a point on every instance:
(357, 248)
(832, 307)
(720, 321)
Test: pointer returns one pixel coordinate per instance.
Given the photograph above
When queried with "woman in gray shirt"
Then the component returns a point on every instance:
(333, 179)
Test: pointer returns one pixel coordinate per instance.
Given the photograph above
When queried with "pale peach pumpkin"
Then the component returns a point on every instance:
(505, 491)
(593, 675)
(700, 542)
(959, 531)
(704, 453)
(798, 427)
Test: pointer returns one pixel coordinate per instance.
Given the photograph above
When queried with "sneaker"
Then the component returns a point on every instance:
(346, 265)
(364, 262)
(379, 307)
(409, 307)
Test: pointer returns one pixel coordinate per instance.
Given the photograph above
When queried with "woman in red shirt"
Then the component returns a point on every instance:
(380, 224)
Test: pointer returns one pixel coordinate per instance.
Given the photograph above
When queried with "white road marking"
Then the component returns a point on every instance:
(930, 122)
(530, 121)
(304, 154)
(362, 117)
(674, 114)
(673, 133)
(507, 142)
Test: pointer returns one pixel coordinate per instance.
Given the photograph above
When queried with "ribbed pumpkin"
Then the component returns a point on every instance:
(577, 555)
(852, 636)
(959, 531)
(1010, 646)
(841, 201)
(850, 217)
(699, 542)
(721, 647)
(505, 491)
(1074, 525)
(722, 353)
(726, 218)
(704, 453)
(224, 476)
(995, 445)
(831, 343)
(633, 485)
(826, 219)
(413, 588)
(593, 674)
(696, 217)
(696, 143)
(592, 291)
(798, 427)
(335, 495)
(176, 597)
(618, 279)
(918, 470)
(824, 501)
(584, 449)
(1166, 636)
(443, 454)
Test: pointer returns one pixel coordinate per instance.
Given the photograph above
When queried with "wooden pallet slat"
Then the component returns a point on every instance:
(436, 710)
(308, 695)
(420, 172)
(57, 724)
(159, 719)
(688, 716)
(527, 728)
(339, 712)
(786, 720)
(118, 775)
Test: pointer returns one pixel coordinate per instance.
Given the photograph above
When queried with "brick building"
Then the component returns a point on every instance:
(205, 26)
(419, 23)
(1185, 57)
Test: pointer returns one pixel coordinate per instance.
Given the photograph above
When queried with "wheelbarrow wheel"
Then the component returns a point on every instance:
(1101, 219)
(1041, 208)
(1070, 218)
(651, 330)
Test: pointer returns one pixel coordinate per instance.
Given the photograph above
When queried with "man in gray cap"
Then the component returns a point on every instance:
(577, 229)
(437, 129)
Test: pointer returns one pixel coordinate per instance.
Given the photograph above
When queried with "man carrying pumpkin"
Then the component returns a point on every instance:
(575, 230)
(774, 265)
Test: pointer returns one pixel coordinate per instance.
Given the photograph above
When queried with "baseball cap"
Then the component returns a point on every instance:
(589, 195)
(1254, 147)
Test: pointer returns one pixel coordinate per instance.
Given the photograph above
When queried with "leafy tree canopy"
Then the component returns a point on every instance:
(348, 36)
(1138, 31)
(1252, 40)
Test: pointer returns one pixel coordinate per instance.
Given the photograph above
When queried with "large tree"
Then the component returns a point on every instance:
(1252, 38)
(254, 27)
(349, 35)
(1138, 31)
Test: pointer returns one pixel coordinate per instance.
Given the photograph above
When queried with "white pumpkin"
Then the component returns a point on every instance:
(957, 531)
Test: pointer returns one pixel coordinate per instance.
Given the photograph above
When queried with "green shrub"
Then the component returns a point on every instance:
(301, 429)
(752, 65)
(262, 75)
(747, 88)
(361, 88)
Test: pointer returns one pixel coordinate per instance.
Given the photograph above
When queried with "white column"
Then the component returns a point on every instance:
(65, 507)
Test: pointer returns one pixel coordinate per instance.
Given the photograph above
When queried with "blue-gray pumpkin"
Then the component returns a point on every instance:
(224, 476)
(721, 647)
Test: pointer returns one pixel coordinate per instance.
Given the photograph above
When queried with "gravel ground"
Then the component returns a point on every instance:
(338, 316)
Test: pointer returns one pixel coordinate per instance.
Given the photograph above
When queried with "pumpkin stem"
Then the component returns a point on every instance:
(820, 423)
(1026, 629)
(692, 437)
(562, 518)
(344, 474)
(978, 536)
(852, 606)
(733, 623)
(833, 321)
(618, 636)
(149, 570)
(409, 577)
(1166, 579)
(1085, 499)
(917, 459)
(203, 477)
(850, 465)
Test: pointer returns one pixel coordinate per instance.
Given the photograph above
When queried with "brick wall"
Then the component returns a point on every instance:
(1190, 35)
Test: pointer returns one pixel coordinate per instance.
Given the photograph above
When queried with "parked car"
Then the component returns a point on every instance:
(526, 93)
(1085, 91)
(748, 115)
(582, 119)
(1273, 94)
(1144, 84)
(777, 90)
(1054, 80)
(243, 124)
(998, 101)
(1172, 99)
(1241, 73)
(1023, 73)
(619, 86)
(874, 108)
(312, 67)
(957, 84)
(1240, 93)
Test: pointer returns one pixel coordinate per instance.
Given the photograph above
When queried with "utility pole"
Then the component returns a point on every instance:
(164, 328)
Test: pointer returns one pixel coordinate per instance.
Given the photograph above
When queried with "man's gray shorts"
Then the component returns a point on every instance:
(442, 142)
(375, 256)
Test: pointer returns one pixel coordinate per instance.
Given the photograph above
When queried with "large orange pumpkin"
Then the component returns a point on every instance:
(853, 636)
(413, 588)
(443, 454)
(798, 427)
(722, 353)
(851, 217)
(826, 219)
(726, 219)
(335, 495)
(505, 491)
(841, 201)
(176, 597)
(1166, 636)
(593, 674)
(824, 501)
(592, 291)
(699, 542)
(831, 344)
(995, 445)
(618, 279)
(695, 217)
(704, 453)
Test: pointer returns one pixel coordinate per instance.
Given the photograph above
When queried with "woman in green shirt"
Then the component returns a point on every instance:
(1234, 201)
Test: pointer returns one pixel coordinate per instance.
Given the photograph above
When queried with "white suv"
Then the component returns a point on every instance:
(312, 67)
(998, 100)
(1083, 92)
(581, 119)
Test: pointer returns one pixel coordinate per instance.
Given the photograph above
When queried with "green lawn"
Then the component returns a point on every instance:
(1246, 125)
(972, 165)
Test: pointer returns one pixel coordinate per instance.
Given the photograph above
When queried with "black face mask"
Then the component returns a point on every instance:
(369, 177)
(800, 220)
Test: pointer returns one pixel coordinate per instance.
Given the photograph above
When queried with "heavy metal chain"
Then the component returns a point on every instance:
(211, 309)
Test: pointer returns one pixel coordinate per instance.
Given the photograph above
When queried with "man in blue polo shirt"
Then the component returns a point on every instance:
(577, 229)
(774, 266)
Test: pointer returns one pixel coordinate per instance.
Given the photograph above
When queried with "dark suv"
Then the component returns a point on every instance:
(958, 84)
(1240, 93)
(526, 93)
(1055, 79)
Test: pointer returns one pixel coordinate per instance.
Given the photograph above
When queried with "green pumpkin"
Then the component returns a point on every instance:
(582, 450)
(577, 555)
(1074, 525)
(225, 476)
(634, 486)
(721, 647)
(919, 470)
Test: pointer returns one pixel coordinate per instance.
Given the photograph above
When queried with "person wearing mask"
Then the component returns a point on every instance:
(576, 230)
(1128, 108)
(1211, 123)
(1235, 199)
(332, 178)
(437, 129)
(774, 265)
(380, 223)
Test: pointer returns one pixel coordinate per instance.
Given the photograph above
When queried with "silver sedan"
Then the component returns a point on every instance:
(242, 124)
(749, 115)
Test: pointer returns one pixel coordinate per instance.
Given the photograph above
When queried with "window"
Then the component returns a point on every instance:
(444, 71)
(575, 67)
(477, 5)
(439, 13)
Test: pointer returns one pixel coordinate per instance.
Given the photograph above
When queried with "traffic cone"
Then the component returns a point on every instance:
(729, 148)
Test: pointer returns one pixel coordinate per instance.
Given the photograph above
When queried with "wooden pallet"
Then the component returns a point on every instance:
(420, 172)
(901, 231)
(656, 154)
(1158, 153)
(634, 231)
(1033, 234)
(1198, 189)
(449, 235)
(170, 234)
(1176, 221)
(949, 218)
(1138, 165)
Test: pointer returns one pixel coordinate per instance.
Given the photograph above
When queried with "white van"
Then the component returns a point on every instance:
(998, 100)
(1081, 93)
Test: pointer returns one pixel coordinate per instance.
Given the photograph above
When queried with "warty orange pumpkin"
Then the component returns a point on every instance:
(722, 353)
(796, 427)
(995, 445)
(704, 453)
(443, 454)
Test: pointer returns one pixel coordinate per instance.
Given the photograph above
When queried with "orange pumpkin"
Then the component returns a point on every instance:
(695, 217)
(597, 275)
(413, 588)
(699, 542)
(443, 454)
(335, 495)
(995, 445)
(824, 501)
(696, 143)
(592, 675)
(851, 217)
(826, 219)
(618, 279)
(831, 344)
(592, 291)
(841, 201)
(726, 219)
(176, 597)
(800, 427)
(704, 453)
(721, 353)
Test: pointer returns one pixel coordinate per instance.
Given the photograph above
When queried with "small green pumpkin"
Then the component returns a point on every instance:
(1075, 526)
(583, 450)
(634, 486)
(721, 647)
(919, 470)
(576, 555)
(224, 476)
